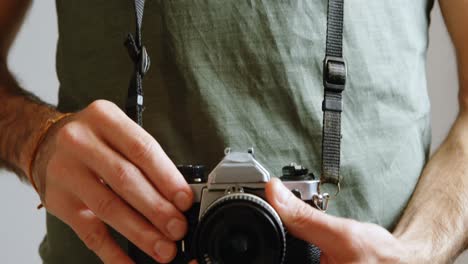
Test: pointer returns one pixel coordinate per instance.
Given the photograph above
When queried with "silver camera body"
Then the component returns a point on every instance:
(231, 221)
(240, 172)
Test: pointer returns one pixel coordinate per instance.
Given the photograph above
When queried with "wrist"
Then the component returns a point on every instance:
(40, 115)
(415, 250)
(41, 137)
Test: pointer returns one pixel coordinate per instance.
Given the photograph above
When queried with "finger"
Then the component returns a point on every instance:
(108, 207)
(324, 259)
(94, 233)
(87, 226)
(138, 146)
(128, 181)
(305, 222)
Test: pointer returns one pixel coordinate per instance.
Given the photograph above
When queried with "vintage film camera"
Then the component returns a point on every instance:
(232, 223)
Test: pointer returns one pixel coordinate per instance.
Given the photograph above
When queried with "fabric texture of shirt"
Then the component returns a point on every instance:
(248, 73)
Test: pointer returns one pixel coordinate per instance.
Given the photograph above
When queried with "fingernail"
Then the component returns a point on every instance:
(176, 228)
(282, 194)
(182, 201)
(164, 249)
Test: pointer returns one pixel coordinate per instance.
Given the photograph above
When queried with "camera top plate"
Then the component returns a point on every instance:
(238, 167)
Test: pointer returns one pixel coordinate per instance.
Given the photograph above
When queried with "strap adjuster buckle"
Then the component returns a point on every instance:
(138, 54)
(144, 61)
(334, 74)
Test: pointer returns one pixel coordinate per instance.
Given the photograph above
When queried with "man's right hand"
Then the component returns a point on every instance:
(98, 167)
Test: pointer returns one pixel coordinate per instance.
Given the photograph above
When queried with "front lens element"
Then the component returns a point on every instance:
(240, 228)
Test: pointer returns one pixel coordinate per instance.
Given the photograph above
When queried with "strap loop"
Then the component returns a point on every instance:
(334, 104)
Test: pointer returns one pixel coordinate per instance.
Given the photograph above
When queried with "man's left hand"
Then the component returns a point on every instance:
(340, 240)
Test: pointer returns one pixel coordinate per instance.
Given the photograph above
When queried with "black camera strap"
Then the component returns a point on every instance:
(334, 81)
(134, 105)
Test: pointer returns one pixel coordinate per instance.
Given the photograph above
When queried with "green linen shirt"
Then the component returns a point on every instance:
(247, 73)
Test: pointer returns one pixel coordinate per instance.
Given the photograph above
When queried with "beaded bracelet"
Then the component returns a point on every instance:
(42, 135)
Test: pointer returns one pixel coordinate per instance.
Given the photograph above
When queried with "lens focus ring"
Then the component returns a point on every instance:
(240, 227)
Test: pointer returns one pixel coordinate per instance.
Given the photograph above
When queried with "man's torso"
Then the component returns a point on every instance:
(248, 74)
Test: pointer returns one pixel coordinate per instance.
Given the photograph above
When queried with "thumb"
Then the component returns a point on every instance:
(303, 221)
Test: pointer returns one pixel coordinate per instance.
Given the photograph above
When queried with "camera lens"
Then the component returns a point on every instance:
(240, 228)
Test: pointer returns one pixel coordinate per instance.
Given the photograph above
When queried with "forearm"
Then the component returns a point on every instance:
(21, 113)
(435, 223)
(21, 117)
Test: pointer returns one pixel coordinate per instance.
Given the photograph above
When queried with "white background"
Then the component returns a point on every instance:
(33, 61)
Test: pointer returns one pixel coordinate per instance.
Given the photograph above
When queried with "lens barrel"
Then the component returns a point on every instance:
(240, 228)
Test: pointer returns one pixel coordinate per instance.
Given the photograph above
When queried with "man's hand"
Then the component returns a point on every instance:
(341, 240)
(98, 167)
(95, 168)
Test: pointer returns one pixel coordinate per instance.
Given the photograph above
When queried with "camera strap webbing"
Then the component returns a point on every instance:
(334, 80)
(134, 105)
